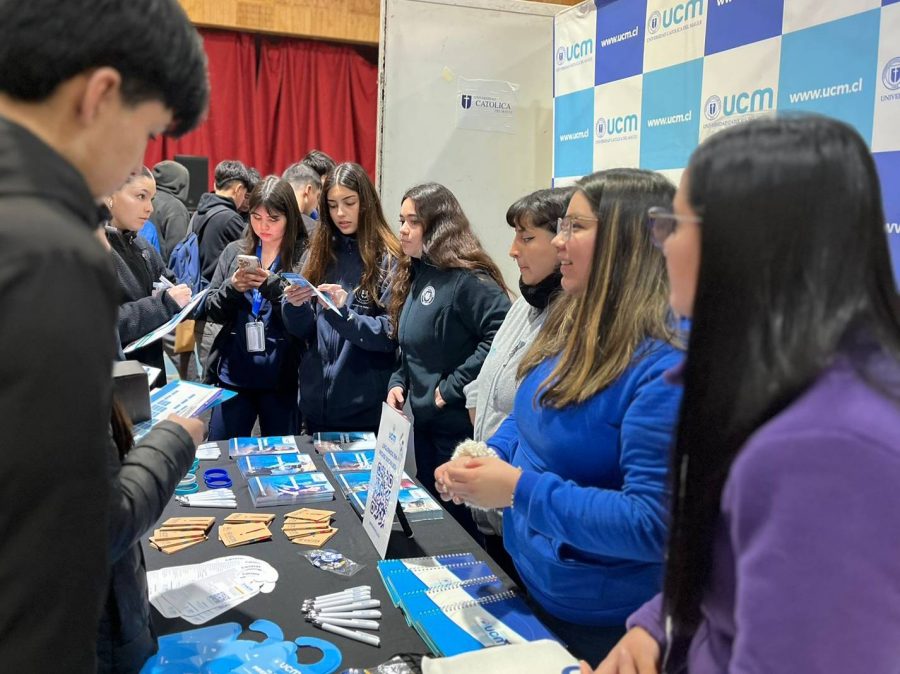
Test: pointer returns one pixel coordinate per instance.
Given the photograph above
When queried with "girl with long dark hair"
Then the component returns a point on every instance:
(580, 465)
(352, 354)
(253, 354)
(448, 301)
(784, 554)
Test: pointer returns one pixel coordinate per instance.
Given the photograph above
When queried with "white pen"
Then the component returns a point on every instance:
(351, 595)
(344, 622)
(359, 588)
(370, 639)
(365, 603)
(348, 614)
(166, 283)
(345, 601)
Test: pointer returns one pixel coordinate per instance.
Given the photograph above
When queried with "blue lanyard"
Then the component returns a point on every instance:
(257, 296)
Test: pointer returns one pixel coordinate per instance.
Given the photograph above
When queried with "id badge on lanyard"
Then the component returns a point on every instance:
(256, 329)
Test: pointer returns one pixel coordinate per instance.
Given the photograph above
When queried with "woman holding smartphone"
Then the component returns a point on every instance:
(253, 353)
(351, 353)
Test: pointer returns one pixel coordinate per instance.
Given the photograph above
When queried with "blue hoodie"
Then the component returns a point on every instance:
(345, 371)
(588, 527)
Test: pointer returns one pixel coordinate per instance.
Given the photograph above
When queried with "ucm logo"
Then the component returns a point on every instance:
(891, 73)
(739, 104)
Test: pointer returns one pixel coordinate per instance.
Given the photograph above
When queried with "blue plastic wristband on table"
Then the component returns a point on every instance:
(219, 483)
(189, 489)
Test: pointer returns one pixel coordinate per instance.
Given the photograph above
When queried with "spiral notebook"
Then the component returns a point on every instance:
(388, 567)
(421, 579)
(469, 625)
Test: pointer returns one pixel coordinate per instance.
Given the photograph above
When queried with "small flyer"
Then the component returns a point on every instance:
(387, 476)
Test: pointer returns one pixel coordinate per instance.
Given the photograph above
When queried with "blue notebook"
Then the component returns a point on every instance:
(470, 625)
(388, 567)
(420, 579)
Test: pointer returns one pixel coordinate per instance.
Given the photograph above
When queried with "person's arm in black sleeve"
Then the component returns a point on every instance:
(141, 486)
(481, 306)
(223, 300)
(372, 333)
(57, 342)
(138, 318)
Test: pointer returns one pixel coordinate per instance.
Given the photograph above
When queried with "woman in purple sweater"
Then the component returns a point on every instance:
(785, 546)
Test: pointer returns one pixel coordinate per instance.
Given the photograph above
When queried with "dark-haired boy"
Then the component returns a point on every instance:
(83, 85)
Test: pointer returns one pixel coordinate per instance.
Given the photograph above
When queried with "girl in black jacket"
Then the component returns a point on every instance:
(138, 266)
(351, 355)
(448, 301)
(253, 354)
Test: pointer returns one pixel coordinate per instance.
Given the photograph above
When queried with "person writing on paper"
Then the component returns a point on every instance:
(782, 556)
(448, 300)
(352, 354)
(254, 354)
(143, 477)
(580, 466)
(148, 301)
(489, 397)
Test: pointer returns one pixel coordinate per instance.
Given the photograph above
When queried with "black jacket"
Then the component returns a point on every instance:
(141, 484)
(170, 215)
(138, 266)
(216, 223)
(227, 306)
(446, 328)
(57, 341)
(350, 358)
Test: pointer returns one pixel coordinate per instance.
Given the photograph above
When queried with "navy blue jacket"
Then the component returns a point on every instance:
(229, 362)
(345, 371)
(446, 328)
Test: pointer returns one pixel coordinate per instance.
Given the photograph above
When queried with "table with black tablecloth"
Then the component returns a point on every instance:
(298, 579)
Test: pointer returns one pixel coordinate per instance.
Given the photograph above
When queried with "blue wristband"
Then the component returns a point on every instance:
(189, 489)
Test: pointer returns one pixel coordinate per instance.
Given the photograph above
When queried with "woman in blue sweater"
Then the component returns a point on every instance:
(351, 355)
(580, 465)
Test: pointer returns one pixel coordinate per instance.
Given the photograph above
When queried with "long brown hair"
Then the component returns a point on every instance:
(373, 234)
(277, 197)
(596, 333)
(448, 242)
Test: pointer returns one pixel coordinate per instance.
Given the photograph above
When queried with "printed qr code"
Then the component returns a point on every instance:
(381, 492)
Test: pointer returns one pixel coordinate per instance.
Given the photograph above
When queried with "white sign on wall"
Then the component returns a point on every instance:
(486, 105)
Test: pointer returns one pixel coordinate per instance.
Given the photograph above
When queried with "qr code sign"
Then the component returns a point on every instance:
(381, 493)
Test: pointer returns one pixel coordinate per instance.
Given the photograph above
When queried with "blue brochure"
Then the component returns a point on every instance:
(258, 465)
(289, 489)
(343, 461)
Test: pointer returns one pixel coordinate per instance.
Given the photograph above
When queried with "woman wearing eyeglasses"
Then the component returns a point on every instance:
(581, 464)
(784, 549)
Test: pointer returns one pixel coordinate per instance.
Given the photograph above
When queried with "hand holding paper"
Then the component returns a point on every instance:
(299, 280)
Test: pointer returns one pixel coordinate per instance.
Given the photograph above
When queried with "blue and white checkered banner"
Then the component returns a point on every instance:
(642, 82)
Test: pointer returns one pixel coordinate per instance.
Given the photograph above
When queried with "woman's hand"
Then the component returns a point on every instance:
(395, 398)
(439, 401)
(181, 294)
(636, 653)
(297, 295)
(195, 427)
(485, 482)
(247, 279)
(336, 292)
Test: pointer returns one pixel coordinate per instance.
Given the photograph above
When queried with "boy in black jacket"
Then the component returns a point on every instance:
(82, 87)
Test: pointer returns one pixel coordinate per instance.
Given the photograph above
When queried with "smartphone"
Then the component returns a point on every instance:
(247, 262)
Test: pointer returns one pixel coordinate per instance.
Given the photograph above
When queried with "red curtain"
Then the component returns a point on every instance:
(273, 99)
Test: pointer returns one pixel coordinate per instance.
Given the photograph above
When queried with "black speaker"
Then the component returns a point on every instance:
(198, 167)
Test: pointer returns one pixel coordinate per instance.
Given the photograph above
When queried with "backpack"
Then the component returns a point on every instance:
(185, 258)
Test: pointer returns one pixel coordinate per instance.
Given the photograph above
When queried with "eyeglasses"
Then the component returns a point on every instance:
(662, 223)
(564, 225)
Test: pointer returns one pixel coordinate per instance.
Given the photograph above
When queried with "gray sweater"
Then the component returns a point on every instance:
(492, 393)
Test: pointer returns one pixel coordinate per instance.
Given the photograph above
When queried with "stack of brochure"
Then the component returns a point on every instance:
(348, 441)
(457, 604)
(290, 489)
(271, 445)
(262, 465)
(353, 472)
(184, 398)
